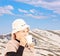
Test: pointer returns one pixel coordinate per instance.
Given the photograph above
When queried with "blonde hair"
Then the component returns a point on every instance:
(13, 36)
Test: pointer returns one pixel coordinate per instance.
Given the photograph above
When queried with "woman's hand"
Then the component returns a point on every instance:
(23, 41)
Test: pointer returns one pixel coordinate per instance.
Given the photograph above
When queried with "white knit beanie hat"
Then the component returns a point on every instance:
(19, 24)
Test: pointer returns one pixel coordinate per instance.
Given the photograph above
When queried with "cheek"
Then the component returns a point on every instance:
(21, 34)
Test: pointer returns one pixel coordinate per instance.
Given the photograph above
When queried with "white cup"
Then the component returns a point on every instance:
(29, 39)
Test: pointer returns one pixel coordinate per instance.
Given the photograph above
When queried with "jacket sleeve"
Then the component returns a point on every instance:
(18, 53)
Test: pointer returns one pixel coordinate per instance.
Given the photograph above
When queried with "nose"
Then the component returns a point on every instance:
(25, 33)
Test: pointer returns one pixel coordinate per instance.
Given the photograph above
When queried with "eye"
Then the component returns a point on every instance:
(23, 31)
(22, 25)
(18, 31)
(27, 31)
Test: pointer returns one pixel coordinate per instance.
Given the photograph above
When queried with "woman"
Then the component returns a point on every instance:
(18, 45)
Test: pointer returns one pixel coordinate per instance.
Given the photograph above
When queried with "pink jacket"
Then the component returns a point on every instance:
(13, 45)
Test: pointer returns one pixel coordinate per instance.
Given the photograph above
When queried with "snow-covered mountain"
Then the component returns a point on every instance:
(47, 42)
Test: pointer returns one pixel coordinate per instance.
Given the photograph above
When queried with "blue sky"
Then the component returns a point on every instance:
(42, 14)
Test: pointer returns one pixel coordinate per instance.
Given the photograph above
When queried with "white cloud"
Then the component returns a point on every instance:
(9, 7)
(24, 11)
(51, 5)
(6, 10)
(36, 16)
(32, 10)
(32, 13)
(27, 11)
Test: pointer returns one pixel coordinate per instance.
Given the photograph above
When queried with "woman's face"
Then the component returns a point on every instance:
(22, 33)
